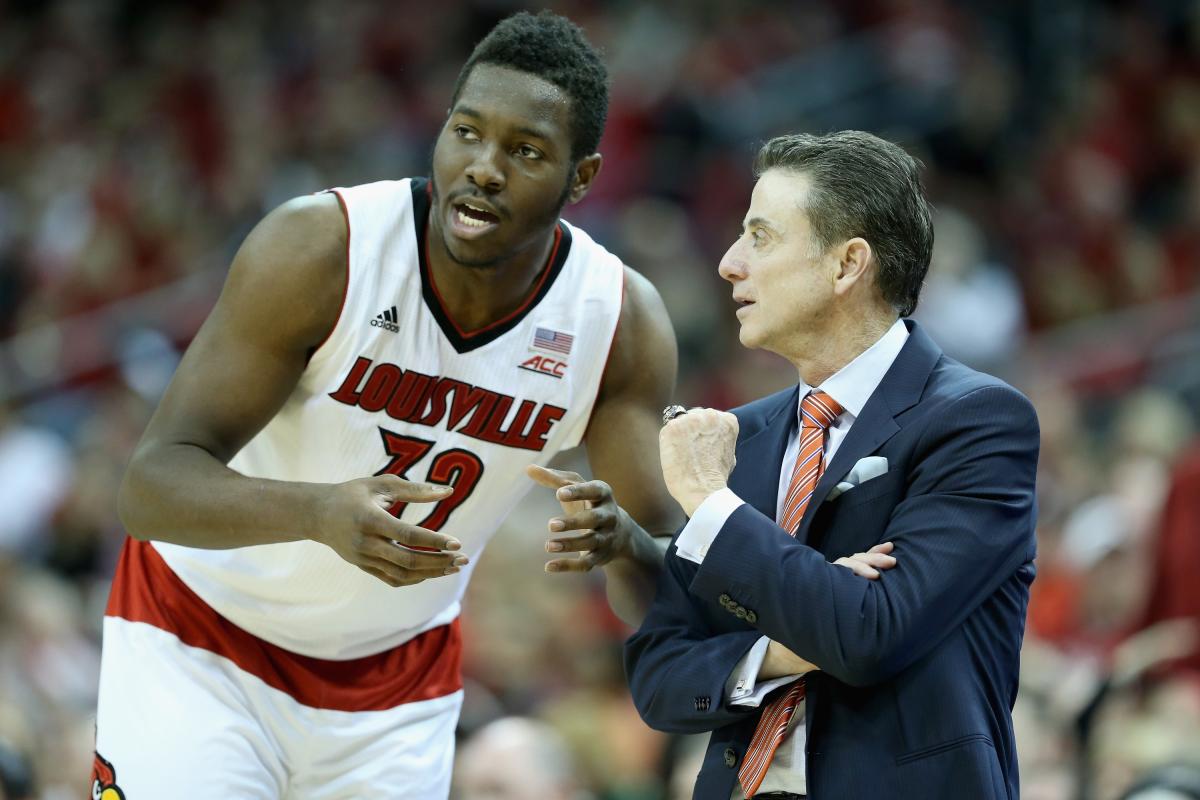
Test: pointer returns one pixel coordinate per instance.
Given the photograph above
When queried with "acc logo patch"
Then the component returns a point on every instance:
(545, 365)
(104, 780)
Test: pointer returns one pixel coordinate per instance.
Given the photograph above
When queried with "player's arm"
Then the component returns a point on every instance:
(622, 448)
(282, 298)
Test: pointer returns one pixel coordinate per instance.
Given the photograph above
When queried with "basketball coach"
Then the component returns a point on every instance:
(814, 680)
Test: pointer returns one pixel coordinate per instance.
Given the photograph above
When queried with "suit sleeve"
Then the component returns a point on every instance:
(676, 666)
(964, 527)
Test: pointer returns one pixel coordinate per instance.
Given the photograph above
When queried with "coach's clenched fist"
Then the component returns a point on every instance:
(696, 449)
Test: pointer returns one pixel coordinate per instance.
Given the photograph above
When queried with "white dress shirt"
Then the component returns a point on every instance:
(851, 386)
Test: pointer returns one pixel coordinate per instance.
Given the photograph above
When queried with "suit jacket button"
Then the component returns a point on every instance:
(730, 757)
(724, 600)
(751, 617)
(741, 612)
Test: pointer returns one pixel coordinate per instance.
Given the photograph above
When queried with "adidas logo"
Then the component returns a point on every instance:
(386, 320)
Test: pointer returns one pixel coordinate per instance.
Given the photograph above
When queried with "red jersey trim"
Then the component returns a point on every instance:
(467, 341)
(428, 666)
(346, 290)
(529, 300)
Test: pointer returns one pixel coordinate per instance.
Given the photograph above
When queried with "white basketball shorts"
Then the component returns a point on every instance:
(191, 706)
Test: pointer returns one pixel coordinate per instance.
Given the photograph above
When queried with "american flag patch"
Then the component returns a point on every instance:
(552, 341)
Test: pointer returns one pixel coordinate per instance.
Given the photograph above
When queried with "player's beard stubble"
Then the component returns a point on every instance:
(494, 260)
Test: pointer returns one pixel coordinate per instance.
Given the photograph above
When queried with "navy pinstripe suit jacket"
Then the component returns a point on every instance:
(918, 669)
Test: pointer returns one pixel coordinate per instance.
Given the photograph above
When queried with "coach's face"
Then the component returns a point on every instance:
(502, 167)
(783, 281)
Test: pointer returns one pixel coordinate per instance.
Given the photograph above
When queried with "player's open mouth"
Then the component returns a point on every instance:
(471, 218)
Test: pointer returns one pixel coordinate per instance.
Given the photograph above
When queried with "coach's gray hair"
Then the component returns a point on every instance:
(864, 186)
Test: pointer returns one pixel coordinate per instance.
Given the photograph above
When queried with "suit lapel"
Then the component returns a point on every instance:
(899, 391)
(755, 478)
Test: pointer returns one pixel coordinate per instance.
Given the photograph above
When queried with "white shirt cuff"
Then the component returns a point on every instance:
(742, 688)
(697, 536)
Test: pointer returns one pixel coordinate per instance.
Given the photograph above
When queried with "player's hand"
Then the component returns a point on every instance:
(592, 524)
(871, 563)
(355, 522)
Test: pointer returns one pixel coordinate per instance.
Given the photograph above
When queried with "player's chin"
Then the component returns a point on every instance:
(478, 255)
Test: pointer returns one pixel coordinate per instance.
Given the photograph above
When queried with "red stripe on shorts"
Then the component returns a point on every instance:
(427, 666)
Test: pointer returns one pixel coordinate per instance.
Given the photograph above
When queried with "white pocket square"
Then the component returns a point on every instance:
(866, 469)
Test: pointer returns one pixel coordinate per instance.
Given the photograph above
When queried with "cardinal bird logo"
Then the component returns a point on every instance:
(104, 781)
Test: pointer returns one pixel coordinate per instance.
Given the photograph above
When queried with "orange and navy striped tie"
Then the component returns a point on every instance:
(817, 413)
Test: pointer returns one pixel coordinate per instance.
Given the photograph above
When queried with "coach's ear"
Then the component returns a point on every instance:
(585, 172)
(854, 262)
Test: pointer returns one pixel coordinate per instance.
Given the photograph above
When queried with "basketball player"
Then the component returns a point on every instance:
(350, 426)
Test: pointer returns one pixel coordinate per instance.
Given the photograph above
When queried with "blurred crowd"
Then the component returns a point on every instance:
(139, 142)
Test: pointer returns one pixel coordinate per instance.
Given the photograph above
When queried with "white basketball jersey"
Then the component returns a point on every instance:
(398, 387)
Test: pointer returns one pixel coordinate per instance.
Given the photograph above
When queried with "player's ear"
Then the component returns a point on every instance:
(585, 172)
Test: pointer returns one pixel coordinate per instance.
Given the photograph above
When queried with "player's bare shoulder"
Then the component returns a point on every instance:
(644, 349)
(292, 269)
(642, 300)
(281, 299)
(308, 228)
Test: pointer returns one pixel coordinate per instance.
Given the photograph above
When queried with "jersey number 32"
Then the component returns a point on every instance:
(456, 467)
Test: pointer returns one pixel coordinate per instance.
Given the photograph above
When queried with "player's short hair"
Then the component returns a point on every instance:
(554, 49)
(862, 185)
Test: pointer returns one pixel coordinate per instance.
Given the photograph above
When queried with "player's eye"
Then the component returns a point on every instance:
(529, 151)
(463, 132)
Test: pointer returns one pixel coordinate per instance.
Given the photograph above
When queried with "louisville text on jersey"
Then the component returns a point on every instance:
(422, 399)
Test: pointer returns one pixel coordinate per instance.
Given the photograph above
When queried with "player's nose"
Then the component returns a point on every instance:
(485, 170)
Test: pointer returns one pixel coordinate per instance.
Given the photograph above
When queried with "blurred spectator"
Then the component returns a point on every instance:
(1175, 591)
(516, 759)
(16, 776)
(971, 304)
(1100, 548)
(1175, 782)
(35, 474)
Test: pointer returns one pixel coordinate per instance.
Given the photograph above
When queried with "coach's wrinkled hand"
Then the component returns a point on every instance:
(696, 450)
(354, 521)
(592, 523)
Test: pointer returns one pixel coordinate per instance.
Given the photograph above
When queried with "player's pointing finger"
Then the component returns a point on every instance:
(399, 490)
(552, 478)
